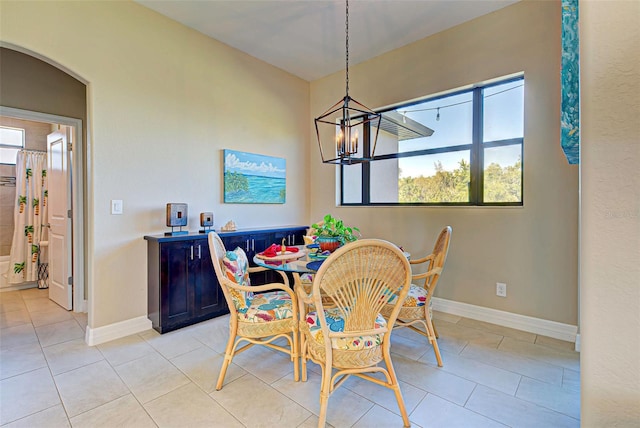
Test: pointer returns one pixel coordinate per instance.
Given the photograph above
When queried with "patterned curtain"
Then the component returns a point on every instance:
(30, 218)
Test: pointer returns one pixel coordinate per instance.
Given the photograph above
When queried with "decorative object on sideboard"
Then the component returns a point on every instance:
(206, 221)
(230, 226)
(177, 215)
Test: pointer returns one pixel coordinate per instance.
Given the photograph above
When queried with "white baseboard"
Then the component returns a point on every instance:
(507, 319)
(577, 347)
(96, 336)
(82, 307)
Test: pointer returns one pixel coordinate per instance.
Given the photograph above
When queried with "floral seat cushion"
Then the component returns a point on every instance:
(416, 297)
(336, 323)
(265, 307)
(252, 307)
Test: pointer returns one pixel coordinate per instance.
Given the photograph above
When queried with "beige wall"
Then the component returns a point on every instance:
(164, 101)
(610, 246)
(534, 249)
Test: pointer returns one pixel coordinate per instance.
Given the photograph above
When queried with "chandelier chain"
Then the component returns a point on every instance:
(347, 49)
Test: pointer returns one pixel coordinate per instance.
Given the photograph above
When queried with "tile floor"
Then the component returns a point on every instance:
(492, 377)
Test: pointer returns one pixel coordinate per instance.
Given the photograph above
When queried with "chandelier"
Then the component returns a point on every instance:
(340, 128)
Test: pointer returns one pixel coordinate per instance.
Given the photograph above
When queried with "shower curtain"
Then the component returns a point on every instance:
(30, 217)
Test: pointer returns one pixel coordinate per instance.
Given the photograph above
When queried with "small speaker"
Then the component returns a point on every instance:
(177, 216)
(206, 219)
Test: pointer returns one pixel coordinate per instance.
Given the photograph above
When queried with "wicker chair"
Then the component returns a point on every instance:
(258, 319)
(416, 308)
(344, 329)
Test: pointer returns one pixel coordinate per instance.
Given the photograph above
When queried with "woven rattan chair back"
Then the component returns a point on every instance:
(357, 280)
(254, 333)
(413, 313)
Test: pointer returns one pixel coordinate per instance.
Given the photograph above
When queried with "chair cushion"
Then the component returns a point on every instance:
(265, 307)
(236, 268)
(336, 323)
(416, 297)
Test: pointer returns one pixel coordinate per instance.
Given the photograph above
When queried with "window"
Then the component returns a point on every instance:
(463, 148)
(11, 141)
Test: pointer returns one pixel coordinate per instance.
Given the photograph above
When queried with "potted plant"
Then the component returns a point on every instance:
(331, 233)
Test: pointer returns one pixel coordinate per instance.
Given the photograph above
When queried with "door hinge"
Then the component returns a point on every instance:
(70, 146)
(70, 280)
(69, 214)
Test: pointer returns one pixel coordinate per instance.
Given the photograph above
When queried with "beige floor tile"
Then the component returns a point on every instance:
(434, 380)
(6, 296)
(345, 407)
(126, 349)
(203, 365)
(123, 412)
(384, 397)
(71, 355)
(171, 344)
(264, 363)
(21, 359)
(312, 422)
(550, 342)
(411, 346)
(189, 406)
(52, 334)
(14, 318)
(89, 387)
(17, 336)
(53, 417)
(565, 358)
(151, 376)
(434, 411)
(26, 394)
(213, 333)
(479, 372)
(34, 293)
(550, 396)
(571, 380)
(461, 334)
(235, 396)
(11, 305)
(50, 316)
(498, 329)
(81, 317)
(516, 412)
(41, 304)
(516, 363)
(442, 316)
(380, 417)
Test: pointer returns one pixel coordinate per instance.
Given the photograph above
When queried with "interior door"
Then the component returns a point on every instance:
(59, 199)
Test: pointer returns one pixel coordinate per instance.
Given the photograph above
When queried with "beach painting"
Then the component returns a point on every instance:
(254, 179)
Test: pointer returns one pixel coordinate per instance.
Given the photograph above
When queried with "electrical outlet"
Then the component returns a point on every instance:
(501, 289)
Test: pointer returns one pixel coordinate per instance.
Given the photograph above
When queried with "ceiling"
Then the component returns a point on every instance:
(307, 37)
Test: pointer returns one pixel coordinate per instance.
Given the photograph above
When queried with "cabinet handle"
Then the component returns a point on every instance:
(253, 245)
(192, 252)
(247, 245)
(199, 252)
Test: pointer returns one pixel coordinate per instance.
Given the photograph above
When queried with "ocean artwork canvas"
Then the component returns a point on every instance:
(251, 178)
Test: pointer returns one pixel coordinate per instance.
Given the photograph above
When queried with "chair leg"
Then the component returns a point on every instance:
(295, 355)
(324, 395)
(395, 386)
(435, 331)
(303, 356)
(228, 353)
(434, 341)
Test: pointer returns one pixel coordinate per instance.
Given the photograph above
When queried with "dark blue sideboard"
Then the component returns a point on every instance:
(182, 285)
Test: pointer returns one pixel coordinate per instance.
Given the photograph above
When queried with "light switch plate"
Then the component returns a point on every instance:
(116, 206)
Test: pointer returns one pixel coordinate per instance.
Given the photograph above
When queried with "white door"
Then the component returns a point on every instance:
(60, 242)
